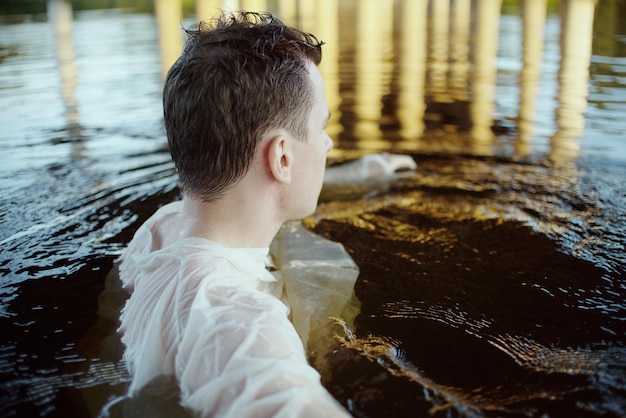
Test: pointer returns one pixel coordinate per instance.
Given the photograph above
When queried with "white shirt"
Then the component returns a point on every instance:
(212, 318)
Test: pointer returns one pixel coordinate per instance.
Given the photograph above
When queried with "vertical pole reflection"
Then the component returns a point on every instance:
(60, 15)
(169, 18)
(459, 48)
(328, 31)
(438, 51)
(484, 76)
(576, 36)
(411, 63)
(206, 9)
(230, 5)
(369, 72)
(308, 15)
(253, 5)
(534, 19)
(288, 10)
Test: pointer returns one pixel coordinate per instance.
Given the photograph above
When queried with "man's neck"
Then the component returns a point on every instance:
(231, 221)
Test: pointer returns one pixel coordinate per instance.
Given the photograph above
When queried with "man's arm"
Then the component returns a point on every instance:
(241, 357)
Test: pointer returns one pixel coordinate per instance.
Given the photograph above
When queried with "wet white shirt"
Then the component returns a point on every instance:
(212, 317)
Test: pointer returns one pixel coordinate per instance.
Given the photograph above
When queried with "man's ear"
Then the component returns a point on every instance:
(280, 158)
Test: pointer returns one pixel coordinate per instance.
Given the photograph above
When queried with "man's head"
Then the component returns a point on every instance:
(241, 76)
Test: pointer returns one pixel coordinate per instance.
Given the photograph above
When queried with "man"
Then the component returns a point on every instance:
(245, 112)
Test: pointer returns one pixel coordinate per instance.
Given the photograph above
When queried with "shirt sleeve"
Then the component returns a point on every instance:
(241, 357)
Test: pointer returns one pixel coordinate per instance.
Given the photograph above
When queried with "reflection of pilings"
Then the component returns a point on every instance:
(370, 44)
(169, 18)
(484, 71)
(459, 48)
(575, 40)
(206, 9)
(288, 10)
(411, 62)
(534, 18)
(308, 15)
(328, 31)
(230, 5)
(253, 5)
(438, 50)
(60, 15)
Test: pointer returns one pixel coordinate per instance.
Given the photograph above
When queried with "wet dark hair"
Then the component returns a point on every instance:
(239, 75)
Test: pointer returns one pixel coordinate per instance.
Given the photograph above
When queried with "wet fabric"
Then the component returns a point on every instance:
(213, 318)
(371, 168)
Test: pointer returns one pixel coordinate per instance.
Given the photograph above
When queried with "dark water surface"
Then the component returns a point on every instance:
(492, 279)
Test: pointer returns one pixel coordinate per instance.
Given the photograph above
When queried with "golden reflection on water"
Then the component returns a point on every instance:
(460, 22)
(169, 14)
(207, 8)
(483, 77)
(411, 68)
(60, 14)
(534, 18)
(373, 38)
(438, 50)
(61, 19)
(575, 42)
(393, 69)
(418, 53)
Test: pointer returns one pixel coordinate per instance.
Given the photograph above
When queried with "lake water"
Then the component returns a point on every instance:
(492, 279)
